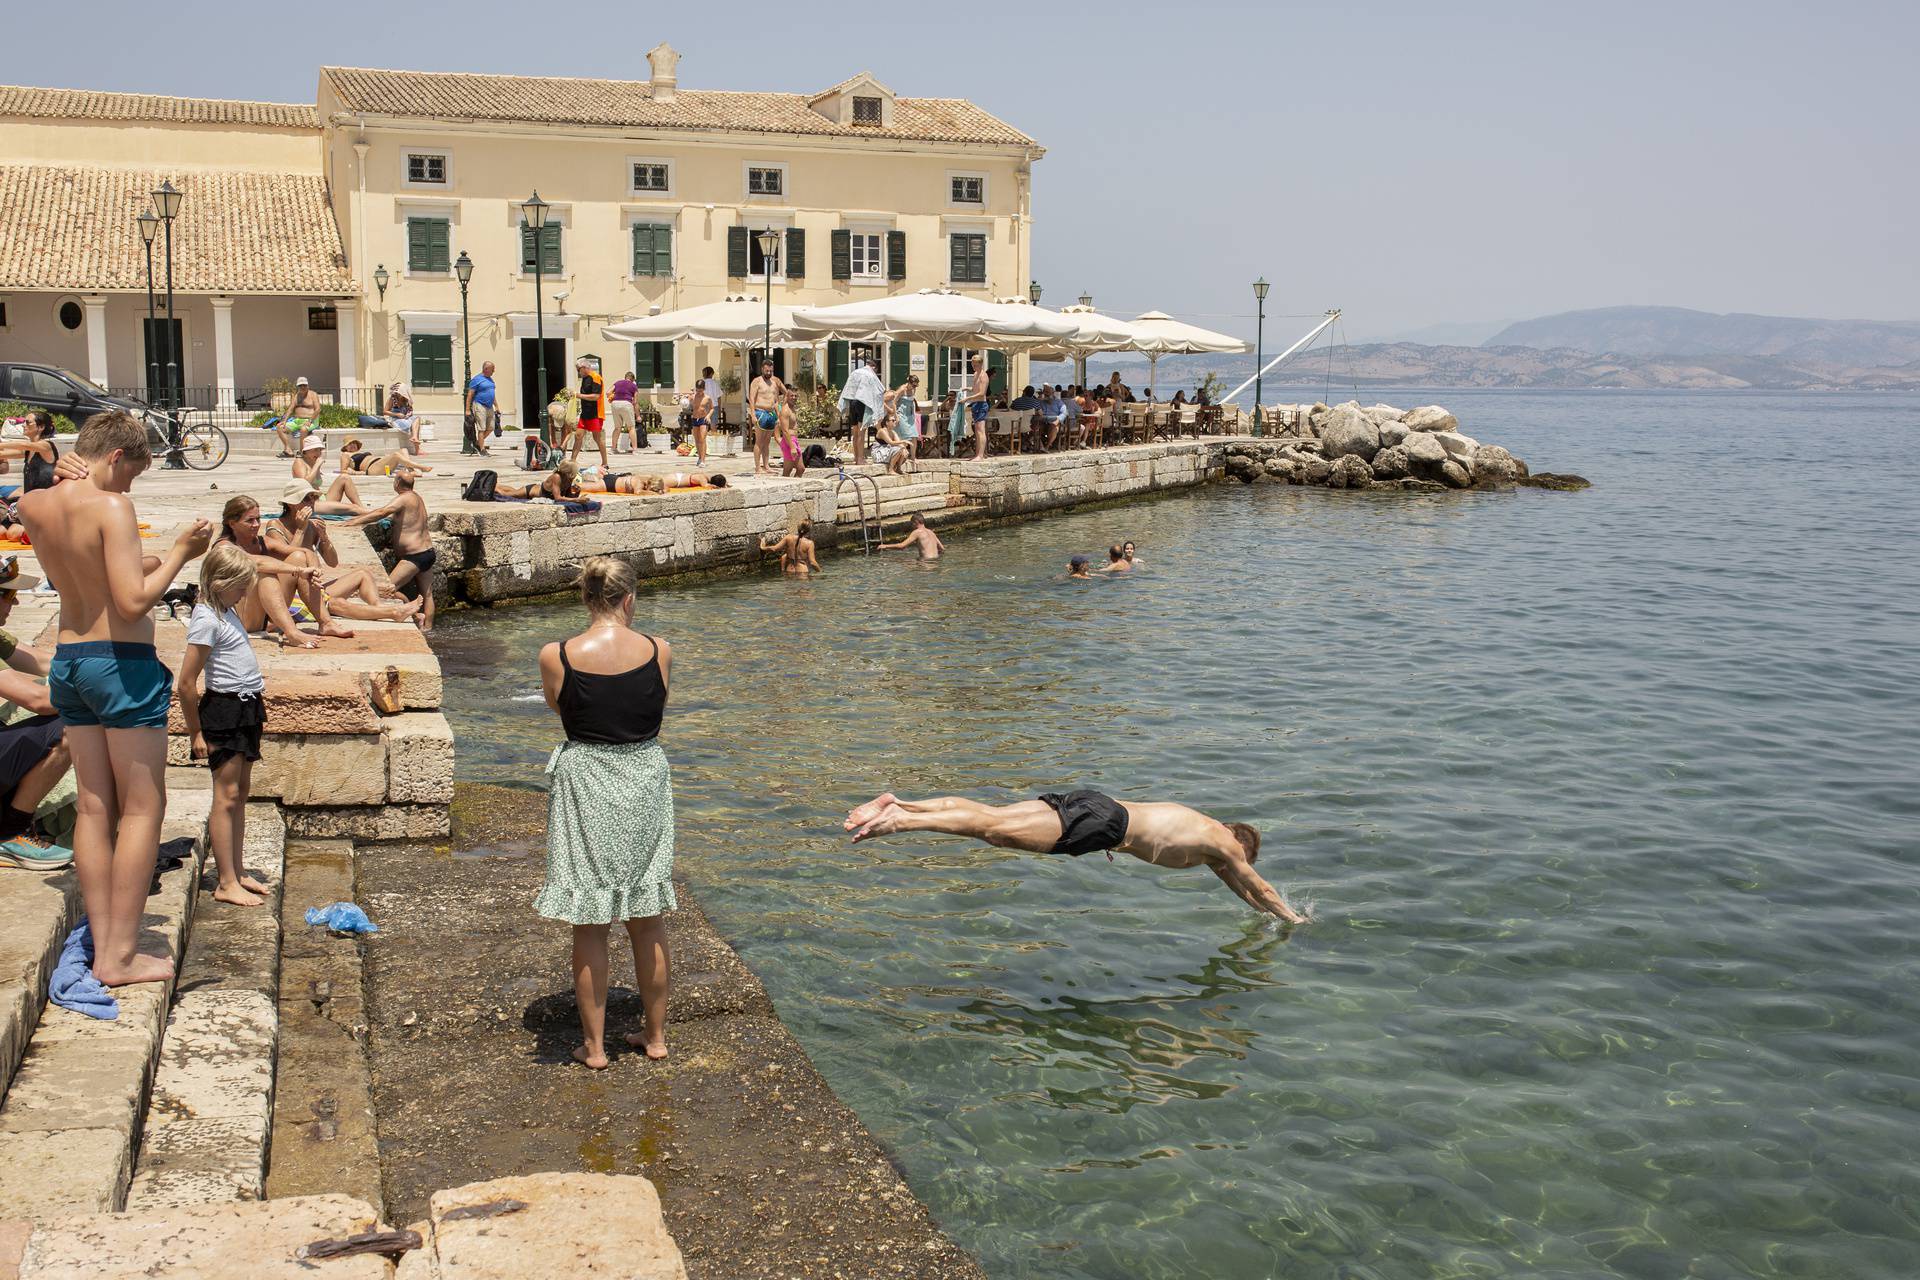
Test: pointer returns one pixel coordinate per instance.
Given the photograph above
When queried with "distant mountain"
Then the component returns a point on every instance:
(1407, 364)
(1666, 332)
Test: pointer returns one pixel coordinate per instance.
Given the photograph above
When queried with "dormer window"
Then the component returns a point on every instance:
(866, 111)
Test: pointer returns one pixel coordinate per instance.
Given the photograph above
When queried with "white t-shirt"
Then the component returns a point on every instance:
(231, 666)
(713, 393)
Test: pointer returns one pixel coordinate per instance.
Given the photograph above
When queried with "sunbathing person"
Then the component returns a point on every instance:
(1077, 822)
(356, 460)
(594, 480)
(339, 496)
(268, 603)
(562, 484)
(347, 591)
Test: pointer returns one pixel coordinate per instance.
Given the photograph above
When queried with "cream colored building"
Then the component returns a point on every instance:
(292, 212)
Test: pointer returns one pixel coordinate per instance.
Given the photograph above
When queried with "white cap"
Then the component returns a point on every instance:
(314, 440)
(300, 381)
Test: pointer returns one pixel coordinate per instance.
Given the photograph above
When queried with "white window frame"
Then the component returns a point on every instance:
(406, 169)
(746, 180)
(954, 175)
(635, 217)
(879, 237)
(650, 193)
(957, 375)
(782, 225)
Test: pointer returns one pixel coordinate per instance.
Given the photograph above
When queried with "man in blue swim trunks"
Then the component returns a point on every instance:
(976, 402)
(763, 399)
(107, 682)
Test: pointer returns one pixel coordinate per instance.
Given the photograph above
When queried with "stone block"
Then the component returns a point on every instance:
(201, 1161)
(67, 1171)
(308, 702)
(36, 912)
(216, 1060)
(419, 758)
(241, 1241)
(377, 822)
(322, 769)
(572, 1224)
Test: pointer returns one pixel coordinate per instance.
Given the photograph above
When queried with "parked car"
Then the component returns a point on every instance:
(57, 390)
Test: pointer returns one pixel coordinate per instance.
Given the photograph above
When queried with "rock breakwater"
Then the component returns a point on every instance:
(1348, 446)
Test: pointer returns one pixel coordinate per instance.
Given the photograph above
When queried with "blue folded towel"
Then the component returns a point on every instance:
(584, 507)
(342, 917)
(73, 985)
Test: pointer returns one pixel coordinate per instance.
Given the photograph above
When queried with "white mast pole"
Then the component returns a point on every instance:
(1317, 330)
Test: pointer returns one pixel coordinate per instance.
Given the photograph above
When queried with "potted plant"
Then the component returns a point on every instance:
(279, 395)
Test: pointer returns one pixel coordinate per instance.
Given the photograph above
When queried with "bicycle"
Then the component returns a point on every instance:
(188, 443)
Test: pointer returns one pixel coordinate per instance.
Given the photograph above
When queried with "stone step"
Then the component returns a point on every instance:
(310, 702)
(210, 1113)
(207, 1241)
(37, 911)
(71, 1119)
(258, 442)
(893, 508)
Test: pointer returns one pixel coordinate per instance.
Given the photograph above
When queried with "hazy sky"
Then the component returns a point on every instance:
(1417, 164)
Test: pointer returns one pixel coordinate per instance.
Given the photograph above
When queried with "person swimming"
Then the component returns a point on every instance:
(1077, 568)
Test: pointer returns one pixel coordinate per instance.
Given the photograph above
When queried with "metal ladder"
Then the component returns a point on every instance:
(868, 534)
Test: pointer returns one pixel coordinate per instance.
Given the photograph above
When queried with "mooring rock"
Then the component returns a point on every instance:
(1350, 432)
(1430, 417)
(1314, 471)
(1423, 450)
(1556, 480)
(1392, 463)
(1317, 415)
(1349, 471)
(1455, 475)
(1382, 414)
(1242, 467)
(1393, 432)
(1457, 445)
(1280, 468)
(1492, 465)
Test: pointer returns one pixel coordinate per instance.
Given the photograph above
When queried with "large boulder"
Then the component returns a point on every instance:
(1243, 468)
(1350, 432)
(1430, 417)
(1457, 445)
(1392, 433)
(1423, 450)
(1454, 475)
(1392, 463)
(1314, 470)
(1316, 417)
(1349, 471)
(1281, 468)
(1382, 414)
(1492, 466)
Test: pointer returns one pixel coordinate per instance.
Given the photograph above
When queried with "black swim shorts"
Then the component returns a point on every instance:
(1089, 822)
(423, 561)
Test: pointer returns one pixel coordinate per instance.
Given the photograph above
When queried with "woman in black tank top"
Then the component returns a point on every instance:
(610, 804)
(38, 452)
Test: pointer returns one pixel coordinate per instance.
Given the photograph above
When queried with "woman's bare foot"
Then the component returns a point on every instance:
(237, 895)
(870, 810)
(142, 968)
(592, 1061)
(653, 1049)
(337, 631)
(407, 609)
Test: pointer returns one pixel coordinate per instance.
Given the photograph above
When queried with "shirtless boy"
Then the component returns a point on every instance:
(1167, 835)
(108, 683)
(412, 572)
(795, 550)
(763, 400)
(699, 417)
(920, 538)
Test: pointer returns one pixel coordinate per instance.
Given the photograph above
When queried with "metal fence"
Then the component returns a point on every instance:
(246, 405)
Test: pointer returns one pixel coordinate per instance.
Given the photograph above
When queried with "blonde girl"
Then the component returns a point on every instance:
(224, 723)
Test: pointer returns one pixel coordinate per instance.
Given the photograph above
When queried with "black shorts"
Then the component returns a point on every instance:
(856, 412)
(1089, 822)
(231, 724)
(24, 745)
(423, 561)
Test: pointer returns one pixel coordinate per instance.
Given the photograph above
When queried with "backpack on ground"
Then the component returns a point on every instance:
(482, 487)
(815, 456)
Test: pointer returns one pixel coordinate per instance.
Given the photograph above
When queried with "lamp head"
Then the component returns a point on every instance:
(1033, 293)
(149, 225)
(380, 278)
(769, 241)
(166, 201)
(1086, 299)
(463, 267)
(1260, 288)
(535, 211)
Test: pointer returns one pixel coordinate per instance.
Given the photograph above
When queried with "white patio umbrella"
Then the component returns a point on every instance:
(1159, 334)
(1093, 332)
(739, 322)
(938, 317)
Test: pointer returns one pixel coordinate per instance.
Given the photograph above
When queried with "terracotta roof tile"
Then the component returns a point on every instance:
(460, 95)
(88, 104)
(73, 228)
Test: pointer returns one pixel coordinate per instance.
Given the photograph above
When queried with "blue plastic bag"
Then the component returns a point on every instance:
(342, 917)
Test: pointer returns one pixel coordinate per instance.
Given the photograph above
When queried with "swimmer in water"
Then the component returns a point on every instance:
(1077, 568)
(1126, 549)
(1077, 822)
(1117, 561)
(795, 550)
(920, 538)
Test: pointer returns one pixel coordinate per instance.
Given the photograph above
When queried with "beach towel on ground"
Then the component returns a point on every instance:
(73, 985)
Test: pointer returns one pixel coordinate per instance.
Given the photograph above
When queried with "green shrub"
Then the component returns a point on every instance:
(62, 424)
(813, 411)
(333, 417)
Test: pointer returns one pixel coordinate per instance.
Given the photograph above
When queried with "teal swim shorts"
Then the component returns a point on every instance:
(110, 683)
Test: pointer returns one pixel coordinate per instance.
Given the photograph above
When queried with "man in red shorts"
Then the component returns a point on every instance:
(593, 400)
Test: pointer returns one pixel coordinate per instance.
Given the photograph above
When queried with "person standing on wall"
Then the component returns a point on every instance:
(481, 419)
(592, 412)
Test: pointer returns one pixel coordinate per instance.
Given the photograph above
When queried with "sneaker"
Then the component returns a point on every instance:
(31, 855)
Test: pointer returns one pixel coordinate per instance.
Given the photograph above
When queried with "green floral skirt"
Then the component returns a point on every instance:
(609, 833)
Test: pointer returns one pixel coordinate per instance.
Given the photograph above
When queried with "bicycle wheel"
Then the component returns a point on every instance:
(203, 446)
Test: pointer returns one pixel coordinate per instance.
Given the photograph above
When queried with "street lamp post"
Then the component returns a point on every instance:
(149, 228)
(166, 202)
(1259, 348)
(463, 268)
(535, 212)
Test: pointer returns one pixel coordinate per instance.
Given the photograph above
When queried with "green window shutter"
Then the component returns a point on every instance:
(996, 372)
(956, 258)
(970, 259)
(938, 355)
(417, 244)
(837, 363)
(427, 240)
(796, 254)
(663, 363)
(642, 251)
(896, 255)
(432, 360)
(526, 248)
(652, 249)
(550, 248)
(737, 262)
(842, 255)
(899, 363)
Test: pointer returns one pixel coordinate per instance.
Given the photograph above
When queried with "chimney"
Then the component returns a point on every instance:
(662, 59)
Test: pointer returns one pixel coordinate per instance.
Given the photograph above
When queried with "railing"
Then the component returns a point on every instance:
(242, 405)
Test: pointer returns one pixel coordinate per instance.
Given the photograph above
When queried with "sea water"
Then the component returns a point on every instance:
(1607, 803)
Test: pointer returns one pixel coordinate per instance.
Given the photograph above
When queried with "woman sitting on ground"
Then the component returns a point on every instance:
(339, 495)
(38, 450)
(266, 603)
(351, 591)
(888, 449)
(356, 460)
(610, 806)
(562, 484)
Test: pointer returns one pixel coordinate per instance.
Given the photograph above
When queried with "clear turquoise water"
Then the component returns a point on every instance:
(1606, 801)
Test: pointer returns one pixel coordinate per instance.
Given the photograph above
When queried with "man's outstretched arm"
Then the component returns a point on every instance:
(1254, 890)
